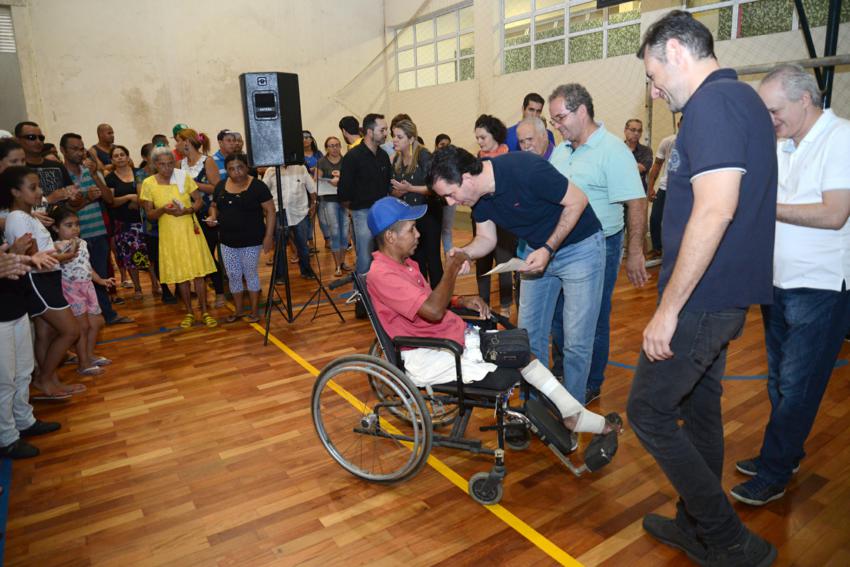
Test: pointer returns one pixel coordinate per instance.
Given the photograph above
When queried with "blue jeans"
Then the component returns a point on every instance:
(299, 232)
(576, 270)
(803, 329)
(602, 338)
(99, 259)
(687, 387)
(333, 219)
(363, 242)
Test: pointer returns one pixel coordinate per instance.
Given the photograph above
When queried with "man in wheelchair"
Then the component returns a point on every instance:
(406, 306)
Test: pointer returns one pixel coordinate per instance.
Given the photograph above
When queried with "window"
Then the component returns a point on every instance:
(757, 17)
(544, 33)
(437, 50)
(7, 31)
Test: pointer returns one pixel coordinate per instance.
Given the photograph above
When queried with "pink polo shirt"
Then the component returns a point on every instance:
(397, 292)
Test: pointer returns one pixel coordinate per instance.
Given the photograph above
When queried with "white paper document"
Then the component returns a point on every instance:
(511, 265)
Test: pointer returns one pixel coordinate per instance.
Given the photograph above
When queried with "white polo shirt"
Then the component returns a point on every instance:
(813, 257)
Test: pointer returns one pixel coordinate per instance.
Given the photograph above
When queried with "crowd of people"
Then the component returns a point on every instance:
(573, 211)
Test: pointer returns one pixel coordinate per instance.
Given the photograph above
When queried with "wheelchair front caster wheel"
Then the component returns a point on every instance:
(484, 490)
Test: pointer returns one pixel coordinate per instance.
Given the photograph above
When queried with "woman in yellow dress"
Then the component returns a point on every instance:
(172, 198)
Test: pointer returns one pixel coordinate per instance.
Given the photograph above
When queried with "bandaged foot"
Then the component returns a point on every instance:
(575, 416)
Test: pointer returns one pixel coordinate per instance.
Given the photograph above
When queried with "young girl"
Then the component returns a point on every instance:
(55, 327)
(78, 289)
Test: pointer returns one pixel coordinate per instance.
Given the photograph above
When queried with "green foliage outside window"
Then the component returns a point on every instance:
(586, 47)
(623, 41)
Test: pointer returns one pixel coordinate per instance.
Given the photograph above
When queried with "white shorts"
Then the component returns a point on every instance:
(434, 366)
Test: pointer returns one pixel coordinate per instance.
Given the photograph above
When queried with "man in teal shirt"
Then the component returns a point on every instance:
(602, 165)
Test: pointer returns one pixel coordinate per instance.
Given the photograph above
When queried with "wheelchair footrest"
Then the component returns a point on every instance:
(602, 448)
(550, 429)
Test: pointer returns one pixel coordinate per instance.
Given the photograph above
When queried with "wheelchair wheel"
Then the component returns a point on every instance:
(518, 439)
(441, 415)
(483, 490)
(357, 427)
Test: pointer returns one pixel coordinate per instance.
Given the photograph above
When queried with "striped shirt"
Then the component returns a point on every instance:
(91, 216)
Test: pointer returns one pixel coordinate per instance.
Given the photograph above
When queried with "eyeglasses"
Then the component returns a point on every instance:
(33, 137)
(559, 119)
(333, 146)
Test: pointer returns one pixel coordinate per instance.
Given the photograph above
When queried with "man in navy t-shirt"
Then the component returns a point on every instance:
(524, 194)
(718, 233)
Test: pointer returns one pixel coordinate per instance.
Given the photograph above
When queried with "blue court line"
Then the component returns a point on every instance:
(6, 482)
(838, 364)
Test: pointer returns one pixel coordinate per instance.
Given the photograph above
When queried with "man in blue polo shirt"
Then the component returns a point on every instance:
(719, 222)
(524, 194)
(92, 190)
(602, 165)
(532, 107)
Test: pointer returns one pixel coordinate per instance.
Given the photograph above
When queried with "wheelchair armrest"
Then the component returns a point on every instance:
(472, 316)
(433, 342)
(429, 342)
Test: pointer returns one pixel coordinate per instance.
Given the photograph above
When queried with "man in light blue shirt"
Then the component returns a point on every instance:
(602, 165)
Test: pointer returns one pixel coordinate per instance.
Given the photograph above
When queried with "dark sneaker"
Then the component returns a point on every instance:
(40, 428)
(668, 532)
(590, 395)
(750, 468)
(20, 449)
(757, 492)
(750, 551)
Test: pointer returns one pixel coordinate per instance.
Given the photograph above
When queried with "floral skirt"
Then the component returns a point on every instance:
(132, 252)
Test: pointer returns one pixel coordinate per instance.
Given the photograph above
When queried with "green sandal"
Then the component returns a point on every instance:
(187, 321)
(209, 320)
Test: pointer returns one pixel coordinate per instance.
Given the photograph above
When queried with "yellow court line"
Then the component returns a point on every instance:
(529, 533)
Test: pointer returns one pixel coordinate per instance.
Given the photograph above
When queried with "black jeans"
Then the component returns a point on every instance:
(427, 254)
(506, 244)
(687, 388)
(211, 236)
(655, 218)
(99, 259)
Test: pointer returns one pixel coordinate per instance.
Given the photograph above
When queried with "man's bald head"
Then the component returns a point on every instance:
(532, 137)
(105, 134)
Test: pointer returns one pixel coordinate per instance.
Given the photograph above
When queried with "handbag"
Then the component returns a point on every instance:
(507, 349)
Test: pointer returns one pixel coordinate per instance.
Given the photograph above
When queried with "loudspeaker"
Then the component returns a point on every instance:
(272, 108)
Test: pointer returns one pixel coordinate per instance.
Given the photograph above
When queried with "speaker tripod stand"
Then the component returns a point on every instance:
(284, 304)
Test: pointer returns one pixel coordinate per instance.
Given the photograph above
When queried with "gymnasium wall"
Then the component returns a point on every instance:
(144, 66)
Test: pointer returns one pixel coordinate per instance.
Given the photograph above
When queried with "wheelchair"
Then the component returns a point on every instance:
(379, 426)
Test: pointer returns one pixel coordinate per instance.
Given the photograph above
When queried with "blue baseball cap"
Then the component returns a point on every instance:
(388, 210)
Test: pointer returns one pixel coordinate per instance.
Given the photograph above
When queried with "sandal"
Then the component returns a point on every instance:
(91, 371)
(75, 388)
(188, 321)
(338, 272)
(101, 361)
(231, 318)
(209, 320)
(121, 320)
(72, 359)
(57, 397)
(251, 318)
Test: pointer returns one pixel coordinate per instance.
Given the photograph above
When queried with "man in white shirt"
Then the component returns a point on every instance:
(299, 201)
(810, 314)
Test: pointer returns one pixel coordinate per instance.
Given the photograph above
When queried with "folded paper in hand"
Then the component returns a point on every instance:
(511, 265)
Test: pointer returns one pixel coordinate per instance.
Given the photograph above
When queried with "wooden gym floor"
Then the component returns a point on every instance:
(197, 448)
